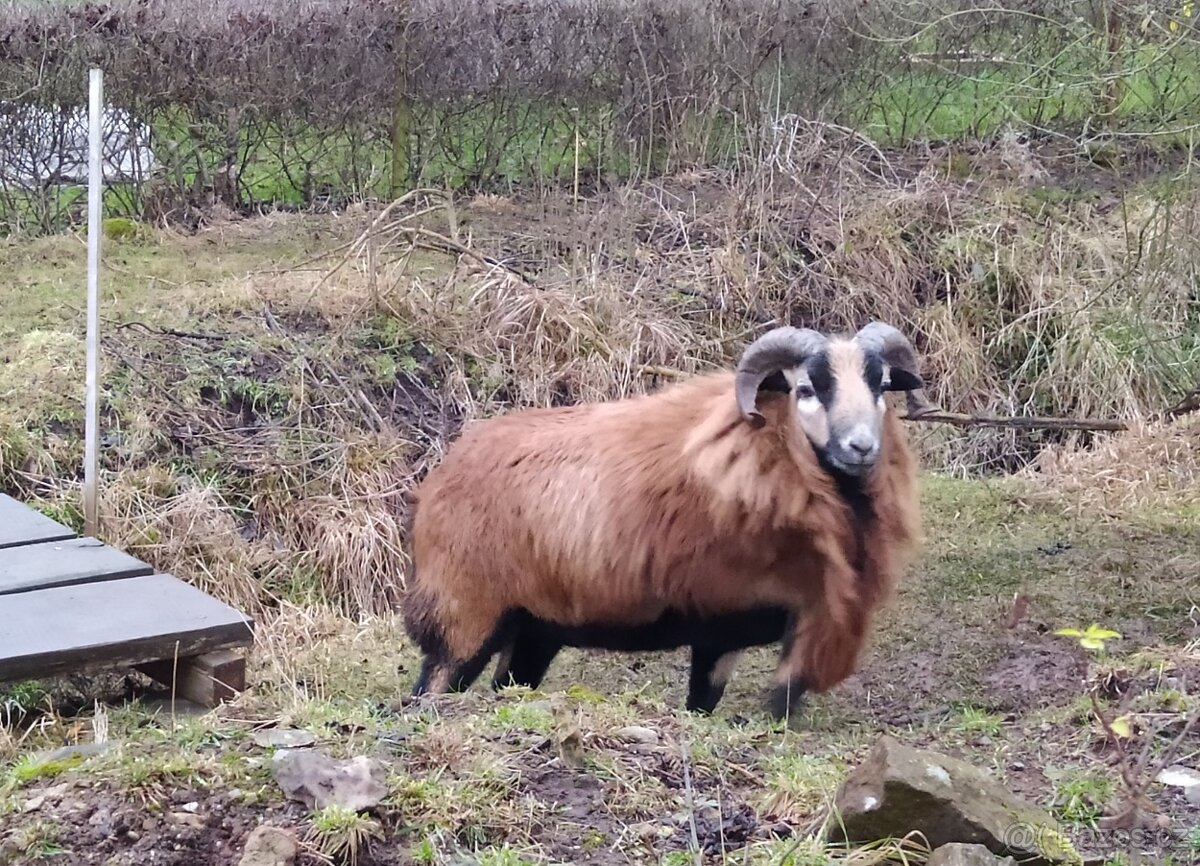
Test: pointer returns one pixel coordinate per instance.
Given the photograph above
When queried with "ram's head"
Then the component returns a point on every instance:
(838, 385)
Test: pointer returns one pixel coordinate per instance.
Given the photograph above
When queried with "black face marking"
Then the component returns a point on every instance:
(820, 379)
(873, 373)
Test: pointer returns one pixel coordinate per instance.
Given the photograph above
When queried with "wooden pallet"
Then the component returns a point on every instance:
(71, 604)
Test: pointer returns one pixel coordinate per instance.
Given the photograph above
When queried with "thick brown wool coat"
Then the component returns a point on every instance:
(611, 513)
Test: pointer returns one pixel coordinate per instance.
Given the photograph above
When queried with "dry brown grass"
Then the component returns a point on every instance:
(267, 456)
(1152, 467)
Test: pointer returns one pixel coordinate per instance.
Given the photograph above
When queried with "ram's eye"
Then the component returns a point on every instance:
(805, 392)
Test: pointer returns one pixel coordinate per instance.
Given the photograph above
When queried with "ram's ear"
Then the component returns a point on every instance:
(899, 379)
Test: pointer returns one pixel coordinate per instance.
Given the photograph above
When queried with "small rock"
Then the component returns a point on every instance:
(57, 792)
(188, 820)
(190, 807)
(318, 780)
(283, 738)
(958, 854)
(638, 734)
(898, 790)
(1192, 793)
(101, 819)
(33, 804)
(269, 846)
(1178, 776)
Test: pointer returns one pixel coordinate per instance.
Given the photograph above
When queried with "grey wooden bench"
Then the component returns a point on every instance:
(71, 604)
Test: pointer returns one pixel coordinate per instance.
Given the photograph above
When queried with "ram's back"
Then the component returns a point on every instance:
(585, 513)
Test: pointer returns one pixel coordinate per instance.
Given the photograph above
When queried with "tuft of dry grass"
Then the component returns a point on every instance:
(1153, 465)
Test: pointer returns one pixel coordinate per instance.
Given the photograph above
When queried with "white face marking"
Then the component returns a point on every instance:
(806, 405)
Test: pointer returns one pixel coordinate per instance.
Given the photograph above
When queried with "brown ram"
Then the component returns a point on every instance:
(730, 510)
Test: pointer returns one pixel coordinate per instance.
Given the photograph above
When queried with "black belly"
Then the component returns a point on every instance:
(749, 628)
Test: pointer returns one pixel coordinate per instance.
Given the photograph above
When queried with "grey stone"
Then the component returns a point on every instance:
(318, 780)
(898, 790)
(188, 819)
(269, 846)
(958, 854)
(638, 734)
(283, 738)
(102, 820)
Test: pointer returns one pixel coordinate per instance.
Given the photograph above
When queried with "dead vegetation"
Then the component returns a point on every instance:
(1157, 463)
(262, 428)
(263, 421)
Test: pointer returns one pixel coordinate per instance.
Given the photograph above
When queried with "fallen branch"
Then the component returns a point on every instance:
(431, 240)
(1190, 403)
(356, 246)
(166, 332)
(1026, 422)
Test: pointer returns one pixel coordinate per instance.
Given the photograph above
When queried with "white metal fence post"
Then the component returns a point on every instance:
(95, 229)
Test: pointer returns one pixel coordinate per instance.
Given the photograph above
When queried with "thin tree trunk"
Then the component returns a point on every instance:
(402, 108)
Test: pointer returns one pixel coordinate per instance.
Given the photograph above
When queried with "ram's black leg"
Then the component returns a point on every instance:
(527, 661)
(787, 694)
(711, 669)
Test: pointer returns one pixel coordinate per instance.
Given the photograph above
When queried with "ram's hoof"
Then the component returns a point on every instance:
(785, 701)
(411, 701)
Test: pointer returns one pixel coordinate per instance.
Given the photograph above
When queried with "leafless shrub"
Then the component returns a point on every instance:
(298, 104)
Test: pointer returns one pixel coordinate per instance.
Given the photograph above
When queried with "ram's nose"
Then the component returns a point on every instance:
(861, 445)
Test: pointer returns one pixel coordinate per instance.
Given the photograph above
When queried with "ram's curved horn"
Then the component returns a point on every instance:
(780, 349)
(898, 353)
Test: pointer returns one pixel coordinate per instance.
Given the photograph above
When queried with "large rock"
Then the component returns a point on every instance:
(958, 854)
(318, 780)
(269, 846)
(899, 789)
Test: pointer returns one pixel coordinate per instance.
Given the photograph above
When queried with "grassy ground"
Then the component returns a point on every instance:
(270, 392)
(522, 777)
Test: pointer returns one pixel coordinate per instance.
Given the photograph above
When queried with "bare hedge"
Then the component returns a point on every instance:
(253, 101)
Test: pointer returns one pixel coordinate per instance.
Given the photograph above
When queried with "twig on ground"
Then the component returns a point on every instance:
(690, 795)
(1189, 404)
(1026, 422)
(166, 332)
(442, 244)
(355, 245)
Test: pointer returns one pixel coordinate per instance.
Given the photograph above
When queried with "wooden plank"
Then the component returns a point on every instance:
(115, 623)
(62, 563)
(20, 524)
(206, 679)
